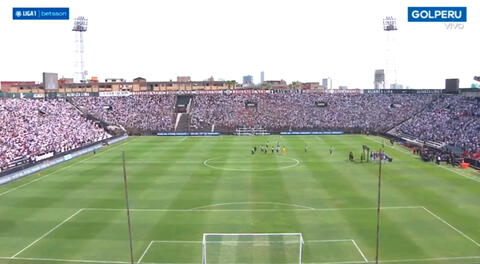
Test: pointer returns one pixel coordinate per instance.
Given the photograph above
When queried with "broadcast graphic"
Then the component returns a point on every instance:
(239, 132)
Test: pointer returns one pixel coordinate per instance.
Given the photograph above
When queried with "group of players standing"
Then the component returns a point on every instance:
(265, 148)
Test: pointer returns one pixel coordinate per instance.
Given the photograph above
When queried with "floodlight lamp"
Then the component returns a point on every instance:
(80, 24)
(389, 23)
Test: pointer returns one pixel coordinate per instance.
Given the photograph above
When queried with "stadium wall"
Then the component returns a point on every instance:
(63, 93)
(44, 164)
(188, 134)
(311, 133)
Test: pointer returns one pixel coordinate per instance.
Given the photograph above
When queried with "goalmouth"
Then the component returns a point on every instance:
(255, 248)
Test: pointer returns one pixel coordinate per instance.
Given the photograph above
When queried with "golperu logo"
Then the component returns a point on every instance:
(437, 14)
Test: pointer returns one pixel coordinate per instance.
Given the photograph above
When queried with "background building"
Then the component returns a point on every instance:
(311, 85)
(5, 86)
(396, 86)
(327, 83)
(379, 79)
(247, 79)
(276, 84)
(184, 79)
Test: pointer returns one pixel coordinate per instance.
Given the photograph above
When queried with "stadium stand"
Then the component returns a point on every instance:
(140, 114)
(452, 120)
(32, 128)
(36, 129)
(293, 111)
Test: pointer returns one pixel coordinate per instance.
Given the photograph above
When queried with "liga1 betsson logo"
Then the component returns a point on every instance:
(41, 13)
(437, 14)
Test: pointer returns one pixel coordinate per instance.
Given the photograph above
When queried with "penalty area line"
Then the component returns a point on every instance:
(360, 251)
(452, 227)
(251, 210)
(242, 203)
(145, 252)
(47, 233)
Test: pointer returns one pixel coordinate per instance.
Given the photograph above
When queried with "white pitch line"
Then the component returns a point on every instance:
(327, 240)
(37, 179)
(61, 169)
(472, 177)
(452, 227)
(238, 203)
(360, 251)
(248, 234)
(251, 210)
(178, 241)
(145, 252)
(337, 262)
(46, 234)
(445, 168)
(425, 259)
(199, 241)
(72, 260)
(400, 150)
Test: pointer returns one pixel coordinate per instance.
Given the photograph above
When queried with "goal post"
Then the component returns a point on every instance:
(254, 248)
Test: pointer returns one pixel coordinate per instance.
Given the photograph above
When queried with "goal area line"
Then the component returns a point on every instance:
(355, 245)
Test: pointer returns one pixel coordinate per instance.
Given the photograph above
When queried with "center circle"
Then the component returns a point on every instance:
(252, 163)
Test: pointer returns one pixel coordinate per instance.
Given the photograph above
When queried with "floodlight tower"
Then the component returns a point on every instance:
(390, 26)
(79, 27)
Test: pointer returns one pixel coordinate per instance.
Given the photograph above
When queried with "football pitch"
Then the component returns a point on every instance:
(183, 187)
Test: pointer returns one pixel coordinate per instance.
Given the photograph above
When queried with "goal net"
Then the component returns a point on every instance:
(251, 131)
(256, 248)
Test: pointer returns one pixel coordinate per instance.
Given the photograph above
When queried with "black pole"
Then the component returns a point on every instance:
(128, 208)
(379, 199)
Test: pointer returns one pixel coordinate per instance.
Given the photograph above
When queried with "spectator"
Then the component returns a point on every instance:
(140, 113)
(30, 128)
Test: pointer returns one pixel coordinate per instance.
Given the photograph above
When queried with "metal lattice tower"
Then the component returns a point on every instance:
(390, 26)
(79, 27)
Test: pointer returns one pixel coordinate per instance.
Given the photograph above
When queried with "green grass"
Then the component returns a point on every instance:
(181, 188)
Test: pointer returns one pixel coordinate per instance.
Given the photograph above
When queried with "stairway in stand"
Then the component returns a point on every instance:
(183, 122)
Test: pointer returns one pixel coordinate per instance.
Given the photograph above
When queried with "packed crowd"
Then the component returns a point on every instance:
(137, 114)
(454, 120)
(31, 128)
(293, 111)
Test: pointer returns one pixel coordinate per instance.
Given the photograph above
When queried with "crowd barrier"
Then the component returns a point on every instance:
(184, 134)
(312, 133)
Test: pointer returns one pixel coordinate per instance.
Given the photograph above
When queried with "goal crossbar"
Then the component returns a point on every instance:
(252, 234)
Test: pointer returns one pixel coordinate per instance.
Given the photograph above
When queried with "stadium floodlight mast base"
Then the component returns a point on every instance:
(127, 205)
(379, 204)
